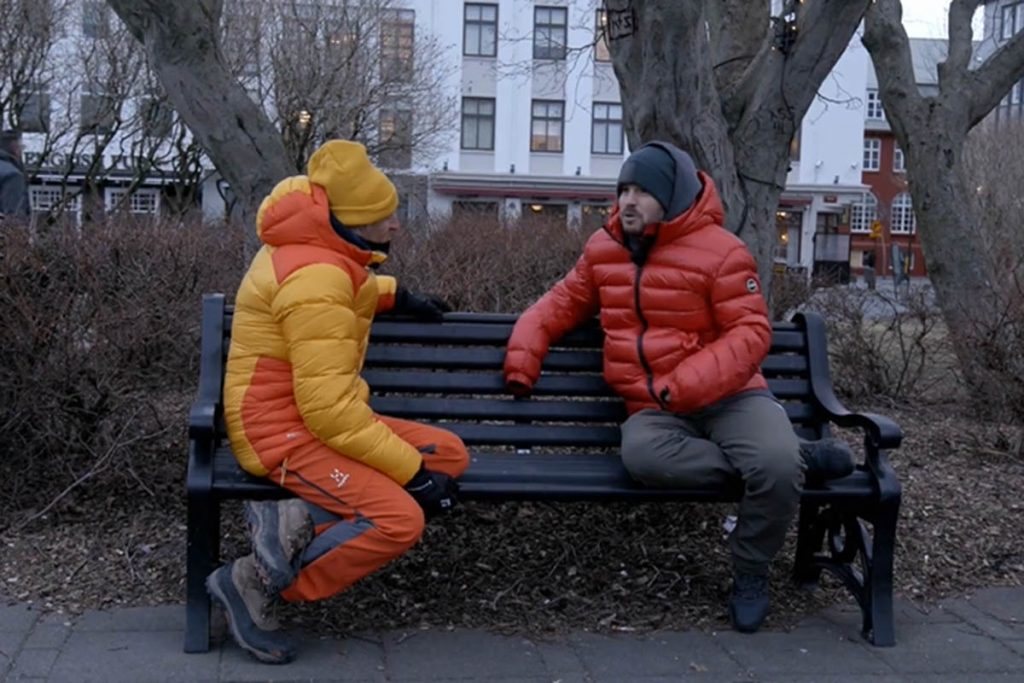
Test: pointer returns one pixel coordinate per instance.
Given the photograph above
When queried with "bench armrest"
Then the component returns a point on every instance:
(883, 433)
(202, 421)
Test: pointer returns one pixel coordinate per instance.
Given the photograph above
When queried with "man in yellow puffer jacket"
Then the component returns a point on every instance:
(297, 409)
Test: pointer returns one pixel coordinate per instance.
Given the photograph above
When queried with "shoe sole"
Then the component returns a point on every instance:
(217, 592)
(276, 572)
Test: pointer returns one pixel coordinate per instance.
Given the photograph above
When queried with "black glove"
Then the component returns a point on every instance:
(423, 306)
(436, 492)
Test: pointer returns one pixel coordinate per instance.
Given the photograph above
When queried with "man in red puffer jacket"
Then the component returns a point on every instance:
(686, 329)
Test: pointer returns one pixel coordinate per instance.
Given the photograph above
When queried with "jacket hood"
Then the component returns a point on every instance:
(298, 212)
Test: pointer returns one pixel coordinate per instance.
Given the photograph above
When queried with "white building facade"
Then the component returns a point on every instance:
(539, 128)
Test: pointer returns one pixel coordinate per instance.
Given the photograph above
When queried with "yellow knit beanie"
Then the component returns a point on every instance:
(359, 193)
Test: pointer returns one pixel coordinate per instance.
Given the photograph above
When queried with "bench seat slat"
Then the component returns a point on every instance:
(439, 408)
(436, 408)
(509, 476)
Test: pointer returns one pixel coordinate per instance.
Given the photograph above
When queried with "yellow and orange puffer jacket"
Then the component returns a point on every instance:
(298, 341)
(684, 328)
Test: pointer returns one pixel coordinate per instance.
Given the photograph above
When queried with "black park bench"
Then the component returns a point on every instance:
(561, 444)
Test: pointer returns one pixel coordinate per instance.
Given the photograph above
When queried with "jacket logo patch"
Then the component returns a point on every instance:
(752, 285)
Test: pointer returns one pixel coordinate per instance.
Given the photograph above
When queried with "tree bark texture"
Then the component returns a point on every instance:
(737, 115)
(932, 132)
(181, 43)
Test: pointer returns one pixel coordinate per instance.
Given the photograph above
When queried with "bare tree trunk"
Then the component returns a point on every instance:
(932, 131)
(181, 41)
(736, 116)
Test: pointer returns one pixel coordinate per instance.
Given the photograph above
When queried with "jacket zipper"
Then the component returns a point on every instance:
(640, 341)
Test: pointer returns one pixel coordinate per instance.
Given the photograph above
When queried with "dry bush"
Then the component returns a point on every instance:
(882, 347)
(998, 364)
(477, 264)
(98, 332)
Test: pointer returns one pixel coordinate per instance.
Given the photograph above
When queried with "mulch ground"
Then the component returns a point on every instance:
(542, 568)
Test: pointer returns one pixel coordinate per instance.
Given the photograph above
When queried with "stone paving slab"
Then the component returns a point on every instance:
(973, 638)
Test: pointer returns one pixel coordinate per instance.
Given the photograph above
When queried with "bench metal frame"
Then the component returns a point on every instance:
(529, 449)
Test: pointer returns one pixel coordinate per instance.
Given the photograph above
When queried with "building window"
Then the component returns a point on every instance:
(1012, 106)
(903, 221)
(606, 134)
(601, 51)
(864, 213)
(395, 137)
(899, 162)
(554, 212)
(95, 20)
(98, 114)
(549, 32)
(872, 154)
(593, 216)
(45, 200)
(156, 118)
(875, 112)
(794, 146)
(480, 30)
(397, 37)
(478, 123)
(143, 201)
(475, 210)
(34, 111)
(1012, 20)
(546, 126)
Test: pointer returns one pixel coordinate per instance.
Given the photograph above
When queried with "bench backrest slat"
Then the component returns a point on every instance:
(451, 374)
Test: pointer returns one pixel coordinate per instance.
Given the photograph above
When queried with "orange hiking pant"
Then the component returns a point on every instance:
(365, 519)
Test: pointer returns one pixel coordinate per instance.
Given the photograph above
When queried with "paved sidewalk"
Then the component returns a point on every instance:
(980, 638)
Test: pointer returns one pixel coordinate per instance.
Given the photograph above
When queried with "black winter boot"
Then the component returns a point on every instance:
(749, 603)
(826, 459)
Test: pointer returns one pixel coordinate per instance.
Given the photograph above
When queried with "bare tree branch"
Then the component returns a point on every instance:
(990, 82)
(182, 44)
(889, 45)
(954, 69)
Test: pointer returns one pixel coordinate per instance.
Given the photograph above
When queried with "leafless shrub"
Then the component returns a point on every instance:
(882, 347)
(478, 264)
(98, 330)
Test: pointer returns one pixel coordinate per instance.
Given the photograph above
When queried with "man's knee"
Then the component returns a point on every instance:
(777, 468)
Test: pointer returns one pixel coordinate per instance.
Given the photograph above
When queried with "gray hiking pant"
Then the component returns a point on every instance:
(747, 435)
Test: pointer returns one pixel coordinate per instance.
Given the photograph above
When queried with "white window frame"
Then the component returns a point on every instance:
(144, 201)
(903, 221)
(864, 213)
(899, 160)
(1011, 20)
(53, 195)
(872, 154)
(873, 110)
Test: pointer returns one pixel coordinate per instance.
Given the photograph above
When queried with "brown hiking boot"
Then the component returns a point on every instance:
(280, 531)
(237, 588)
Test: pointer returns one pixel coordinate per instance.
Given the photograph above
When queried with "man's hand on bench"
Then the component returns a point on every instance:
(436, 492)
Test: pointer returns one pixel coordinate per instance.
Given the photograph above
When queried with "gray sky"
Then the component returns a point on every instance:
(927, 18)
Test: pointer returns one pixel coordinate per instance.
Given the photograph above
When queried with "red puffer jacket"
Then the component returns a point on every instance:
(685, 328)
